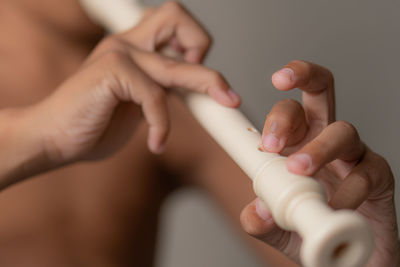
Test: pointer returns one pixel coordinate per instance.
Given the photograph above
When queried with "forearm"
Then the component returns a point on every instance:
(22, 152)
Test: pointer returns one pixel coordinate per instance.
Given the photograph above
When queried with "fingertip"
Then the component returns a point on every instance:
(256, 219)
(283, 79)
(273, 143)
(262, 210)
(156, 140)
(227, 98)
(235, 97)
(156, 148)
(300, 164)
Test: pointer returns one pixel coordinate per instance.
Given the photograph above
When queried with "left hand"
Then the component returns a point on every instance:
(95, 112)
(354, 177)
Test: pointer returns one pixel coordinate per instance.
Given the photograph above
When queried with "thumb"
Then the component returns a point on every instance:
(257, 221)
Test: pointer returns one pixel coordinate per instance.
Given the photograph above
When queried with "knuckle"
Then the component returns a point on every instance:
(169, 63)
(157, 97)
(208, 40)
(309, 72)
(304, 71)
(205, 40)
(173, 7)
(294, 104)
(217, 78)
(305, 66)
(284, 120)
(385, 168)
(349, 128)
(280, 112)
(172, 67)
(364, 181)
(149, 11)
(330, 77)
(383, 162)
(110, 43)
(114, 57)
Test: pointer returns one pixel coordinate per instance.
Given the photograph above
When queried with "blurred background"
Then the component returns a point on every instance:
(357, 40)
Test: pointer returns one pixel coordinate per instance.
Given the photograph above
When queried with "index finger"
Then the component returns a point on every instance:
(317, 84)
(170, 73)
(172, 23)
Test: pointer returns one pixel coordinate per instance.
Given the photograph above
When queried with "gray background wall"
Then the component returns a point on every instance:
(358, 40)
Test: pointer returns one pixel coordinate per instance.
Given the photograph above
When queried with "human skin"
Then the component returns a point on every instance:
(96, 111)
(354, 177)
(103, 212)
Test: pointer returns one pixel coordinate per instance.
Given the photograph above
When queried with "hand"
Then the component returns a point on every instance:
(96, 111)
(172, 27)
(354, 177)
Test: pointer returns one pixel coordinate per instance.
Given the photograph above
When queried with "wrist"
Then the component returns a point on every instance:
(22, 150)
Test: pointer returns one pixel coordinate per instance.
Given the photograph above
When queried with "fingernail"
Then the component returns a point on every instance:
(286, 73)
(272, 143)
(233, 96)
(262, 210)
(300, 162)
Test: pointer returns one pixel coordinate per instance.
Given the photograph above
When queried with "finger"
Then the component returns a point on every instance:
(370, 178)
(339, 140)
(257, 221)
(317, 84)
(129, 83)
(174, 74)
(189, 33)
(149, 11)
(173, 24)
(156, 113)
(285, 125)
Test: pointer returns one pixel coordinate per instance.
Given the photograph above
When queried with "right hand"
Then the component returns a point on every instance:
(96, 111)
(317, 145)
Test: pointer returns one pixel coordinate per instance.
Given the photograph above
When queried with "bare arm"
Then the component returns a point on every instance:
(22, 153)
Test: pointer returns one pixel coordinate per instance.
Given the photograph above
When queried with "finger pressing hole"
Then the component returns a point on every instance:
(285, 125)
(337, 141)
(173, 74)
(217, 87)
